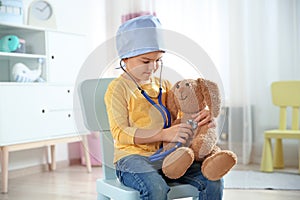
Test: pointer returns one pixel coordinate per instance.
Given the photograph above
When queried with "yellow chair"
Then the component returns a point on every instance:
(284, 94)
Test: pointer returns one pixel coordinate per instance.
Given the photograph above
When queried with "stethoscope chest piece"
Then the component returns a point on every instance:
(192, 123)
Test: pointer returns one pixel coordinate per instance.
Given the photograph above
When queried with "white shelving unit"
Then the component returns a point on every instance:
(38, 114)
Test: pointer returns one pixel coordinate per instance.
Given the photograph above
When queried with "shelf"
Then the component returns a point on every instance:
(34, 84)
(21, 55)
(5, 26)
(22, 83)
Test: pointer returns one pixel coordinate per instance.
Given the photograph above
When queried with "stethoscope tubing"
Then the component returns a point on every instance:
(160, 107)
(158, 155)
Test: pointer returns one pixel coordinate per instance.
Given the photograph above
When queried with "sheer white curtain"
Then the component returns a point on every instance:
(133, 8)
(252, 43)
(264, 47)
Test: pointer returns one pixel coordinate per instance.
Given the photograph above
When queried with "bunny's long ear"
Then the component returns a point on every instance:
(211, 95)
(172, 103)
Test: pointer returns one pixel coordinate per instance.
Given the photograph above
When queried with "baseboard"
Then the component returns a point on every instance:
(36, 169)
(75, 161)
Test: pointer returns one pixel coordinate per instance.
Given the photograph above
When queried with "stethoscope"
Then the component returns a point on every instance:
(158, 155)
(160, 107)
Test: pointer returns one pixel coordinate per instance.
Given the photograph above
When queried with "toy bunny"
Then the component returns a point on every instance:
(186, 98)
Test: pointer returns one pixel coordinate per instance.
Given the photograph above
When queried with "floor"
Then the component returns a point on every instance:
(74, 183)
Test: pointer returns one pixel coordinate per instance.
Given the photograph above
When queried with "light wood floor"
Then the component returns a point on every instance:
(74, 183)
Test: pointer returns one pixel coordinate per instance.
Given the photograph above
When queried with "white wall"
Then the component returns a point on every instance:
(80, 16)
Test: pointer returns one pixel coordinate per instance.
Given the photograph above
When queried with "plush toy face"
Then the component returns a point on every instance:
(191, 96)
(187, 96)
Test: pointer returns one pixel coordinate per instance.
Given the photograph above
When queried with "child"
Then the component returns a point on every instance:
(138, 119)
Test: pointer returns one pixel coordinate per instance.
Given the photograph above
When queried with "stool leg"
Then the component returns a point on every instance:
(53, 159)
(85, 145)
(266, 160)
(4, 169)
(299, 156)
(278, 155)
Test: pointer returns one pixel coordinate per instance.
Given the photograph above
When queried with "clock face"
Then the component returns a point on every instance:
(41, 10)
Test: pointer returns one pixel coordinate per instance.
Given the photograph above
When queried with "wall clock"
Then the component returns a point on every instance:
(41, 14)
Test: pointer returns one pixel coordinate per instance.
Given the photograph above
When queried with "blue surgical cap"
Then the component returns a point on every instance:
(138, 36)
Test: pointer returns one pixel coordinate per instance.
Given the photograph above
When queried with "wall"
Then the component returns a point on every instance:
(80, 16)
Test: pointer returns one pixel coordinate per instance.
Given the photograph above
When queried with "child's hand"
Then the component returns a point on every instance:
(177, 133)
(204, 117)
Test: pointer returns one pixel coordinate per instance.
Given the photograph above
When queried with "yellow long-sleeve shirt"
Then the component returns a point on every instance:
(128, 110)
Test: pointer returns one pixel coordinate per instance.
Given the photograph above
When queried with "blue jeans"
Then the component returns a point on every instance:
(139, 173)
